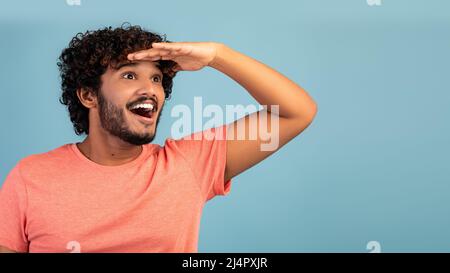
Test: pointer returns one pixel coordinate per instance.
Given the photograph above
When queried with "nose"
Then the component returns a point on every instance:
(147, 92)
(148, 88)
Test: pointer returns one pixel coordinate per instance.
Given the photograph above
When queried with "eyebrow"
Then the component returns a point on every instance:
(133, 64)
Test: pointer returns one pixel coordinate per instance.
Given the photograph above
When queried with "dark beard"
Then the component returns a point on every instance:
(112, 119)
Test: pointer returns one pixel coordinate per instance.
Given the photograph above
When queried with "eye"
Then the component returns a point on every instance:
(156, 78)
(129, 76)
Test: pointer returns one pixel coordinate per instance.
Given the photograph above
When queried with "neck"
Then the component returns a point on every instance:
(108, 150)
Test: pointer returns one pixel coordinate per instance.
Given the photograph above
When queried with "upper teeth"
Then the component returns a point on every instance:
(143, 105)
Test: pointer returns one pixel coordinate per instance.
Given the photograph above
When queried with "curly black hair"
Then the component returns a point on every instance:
(89, 55)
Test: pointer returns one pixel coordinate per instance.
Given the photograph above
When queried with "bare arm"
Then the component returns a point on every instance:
(296, 108)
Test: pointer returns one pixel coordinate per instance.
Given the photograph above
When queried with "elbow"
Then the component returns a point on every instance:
(312, 112)
(307, 117)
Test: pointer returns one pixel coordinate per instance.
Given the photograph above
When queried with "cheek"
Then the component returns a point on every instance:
(161, 94)
(117, 95)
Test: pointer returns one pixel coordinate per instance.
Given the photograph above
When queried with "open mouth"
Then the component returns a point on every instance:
(143, 113)
(145, 110)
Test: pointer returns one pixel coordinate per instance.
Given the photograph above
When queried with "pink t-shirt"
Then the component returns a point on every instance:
(60, 201)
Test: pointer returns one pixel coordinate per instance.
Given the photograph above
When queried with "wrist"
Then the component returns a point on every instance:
(221, 50)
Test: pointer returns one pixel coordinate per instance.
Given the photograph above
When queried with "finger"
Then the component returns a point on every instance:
(137, 53)
(156, 50)
(158, 57)
(162, 45)
(169, 46)
(168, 57)
(149, 54)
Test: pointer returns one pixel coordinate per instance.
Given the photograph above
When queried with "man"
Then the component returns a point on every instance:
(117, 192)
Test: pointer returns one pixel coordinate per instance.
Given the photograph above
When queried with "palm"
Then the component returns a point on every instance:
(188, 56)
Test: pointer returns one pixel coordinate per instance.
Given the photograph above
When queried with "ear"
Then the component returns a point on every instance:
(87, 98)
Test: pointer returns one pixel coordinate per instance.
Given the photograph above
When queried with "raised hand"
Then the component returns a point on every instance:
(189, 56)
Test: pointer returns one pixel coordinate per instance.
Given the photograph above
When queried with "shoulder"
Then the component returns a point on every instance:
(34, 164)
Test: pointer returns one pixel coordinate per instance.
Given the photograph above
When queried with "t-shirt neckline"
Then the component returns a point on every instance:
(85, 160)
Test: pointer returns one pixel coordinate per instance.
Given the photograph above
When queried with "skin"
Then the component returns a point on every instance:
(120, 89)
(267, 86)
(296, 108)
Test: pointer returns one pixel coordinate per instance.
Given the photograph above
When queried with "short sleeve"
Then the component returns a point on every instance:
(13, 204)
(205, 153)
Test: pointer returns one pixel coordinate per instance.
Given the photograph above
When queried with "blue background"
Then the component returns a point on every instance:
(374, 165)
